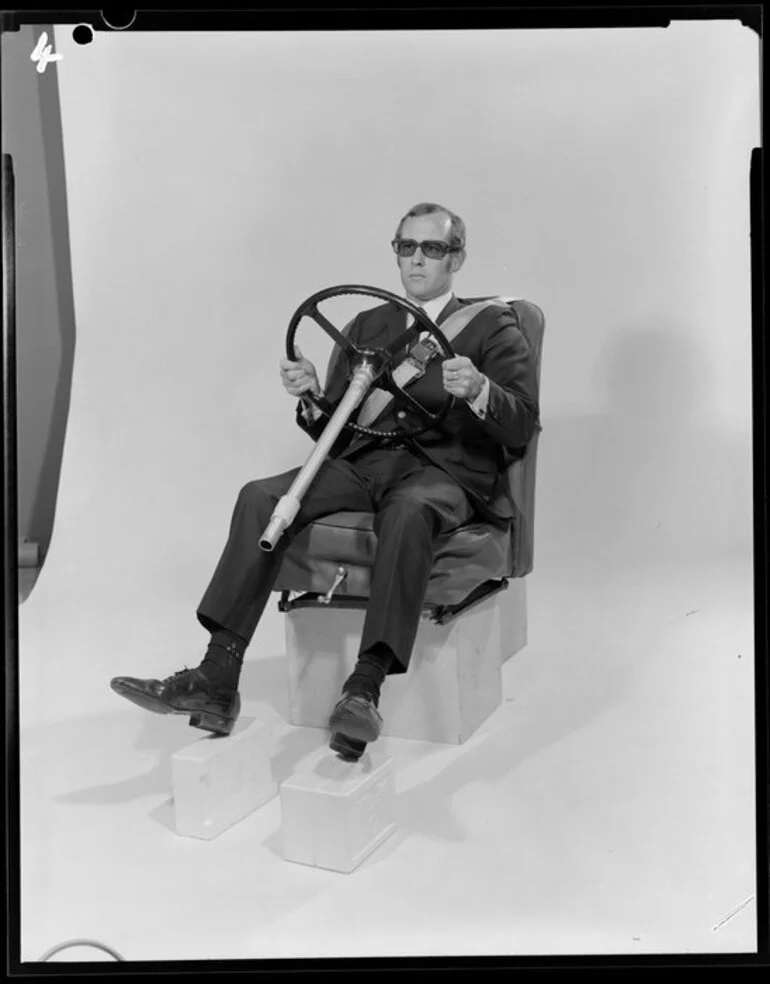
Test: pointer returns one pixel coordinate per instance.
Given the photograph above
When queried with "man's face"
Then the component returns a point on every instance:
(423, 278)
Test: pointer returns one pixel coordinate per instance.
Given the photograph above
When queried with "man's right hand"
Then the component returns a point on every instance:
(299, 377)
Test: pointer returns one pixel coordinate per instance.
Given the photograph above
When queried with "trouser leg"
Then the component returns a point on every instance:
(244, 577)
(411, 515)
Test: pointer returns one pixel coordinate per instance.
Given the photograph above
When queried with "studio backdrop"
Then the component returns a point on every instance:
(215, 180)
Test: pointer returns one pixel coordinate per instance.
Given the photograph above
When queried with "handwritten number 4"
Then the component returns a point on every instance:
(42, 53)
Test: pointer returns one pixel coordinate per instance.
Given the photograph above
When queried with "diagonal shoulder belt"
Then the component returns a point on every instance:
(419, 356)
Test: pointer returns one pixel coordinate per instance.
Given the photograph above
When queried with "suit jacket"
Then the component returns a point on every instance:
(474, 451)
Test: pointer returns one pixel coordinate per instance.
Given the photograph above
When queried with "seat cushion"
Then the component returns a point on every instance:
(464, 559)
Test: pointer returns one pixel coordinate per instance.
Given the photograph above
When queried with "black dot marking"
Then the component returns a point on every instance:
(83, 34)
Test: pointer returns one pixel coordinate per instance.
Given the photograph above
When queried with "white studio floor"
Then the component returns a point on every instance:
(607, 807)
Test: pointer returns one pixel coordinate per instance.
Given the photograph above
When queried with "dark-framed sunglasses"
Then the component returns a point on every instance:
(434, 249)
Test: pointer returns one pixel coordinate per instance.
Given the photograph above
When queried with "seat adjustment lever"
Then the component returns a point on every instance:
(339, 578)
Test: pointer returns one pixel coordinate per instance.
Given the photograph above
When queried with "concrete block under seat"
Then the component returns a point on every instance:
(453, 684)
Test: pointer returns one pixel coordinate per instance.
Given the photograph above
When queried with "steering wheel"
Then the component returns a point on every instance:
(383, 360)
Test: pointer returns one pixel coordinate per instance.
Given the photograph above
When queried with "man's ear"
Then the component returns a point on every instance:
(457, 260)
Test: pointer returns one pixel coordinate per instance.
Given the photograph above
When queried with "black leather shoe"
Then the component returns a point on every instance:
(211, 706)
(349, 749)
(355, 716)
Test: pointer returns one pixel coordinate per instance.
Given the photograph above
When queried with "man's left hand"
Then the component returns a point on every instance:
(462, 378)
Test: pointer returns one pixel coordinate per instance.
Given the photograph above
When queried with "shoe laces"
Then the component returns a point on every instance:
(180, 673)
(197, 673)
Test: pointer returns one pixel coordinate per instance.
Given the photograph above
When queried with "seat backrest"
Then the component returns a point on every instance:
(520, 474)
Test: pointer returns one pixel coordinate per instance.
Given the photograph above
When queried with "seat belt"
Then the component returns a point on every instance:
(377, 401)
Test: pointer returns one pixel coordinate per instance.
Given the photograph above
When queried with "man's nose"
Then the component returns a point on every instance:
(418, 256)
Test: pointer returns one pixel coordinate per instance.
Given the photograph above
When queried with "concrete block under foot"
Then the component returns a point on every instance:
(334, 814)
(218, 781)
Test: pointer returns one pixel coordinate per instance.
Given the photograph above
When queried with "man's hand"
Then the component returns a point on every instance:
(462, 378)
(299, 377)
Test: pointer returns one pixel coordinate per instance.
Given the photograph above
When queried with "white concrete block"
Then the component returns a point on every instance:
(219, 780)
(453, 683)
(334, 814)
(513, 618)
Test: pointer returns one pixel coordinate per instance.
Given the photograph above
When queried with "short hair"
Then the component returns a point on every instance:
(456, 228)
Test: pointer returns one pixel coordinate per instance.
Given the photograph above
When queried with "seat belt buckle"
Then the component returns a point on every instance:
(420, 355)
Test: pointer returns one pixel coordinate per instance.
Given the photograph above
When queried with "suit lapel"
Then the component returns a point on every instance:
(394, 325)
(448, 309)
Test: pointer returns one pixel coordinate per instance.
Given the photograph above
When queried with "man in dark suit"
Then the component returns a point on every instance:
(419, 489)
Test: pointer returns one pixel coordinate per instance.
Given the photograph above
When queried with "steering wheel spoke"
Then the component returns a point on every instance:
(402, 341)
(330, 329)
(404, 398)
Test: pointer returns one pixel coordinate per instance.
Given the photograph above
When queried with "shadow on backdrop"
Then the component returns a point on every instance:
(649, 478)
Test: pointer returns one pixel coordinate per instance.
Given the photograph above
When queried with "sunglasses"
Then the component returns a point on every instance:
(434, 249)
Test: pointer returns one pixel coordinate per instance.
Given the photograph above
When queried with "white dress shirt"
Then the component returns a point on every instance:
(433, 309)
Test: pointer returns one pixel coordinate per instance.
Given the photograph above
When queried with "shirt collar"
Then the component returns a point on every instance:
(434, 307)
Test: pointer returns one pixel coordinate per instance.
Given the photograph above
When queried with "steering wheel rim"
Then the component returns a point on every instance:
(309, 308)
